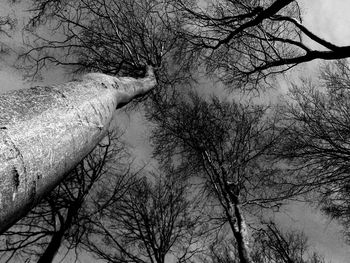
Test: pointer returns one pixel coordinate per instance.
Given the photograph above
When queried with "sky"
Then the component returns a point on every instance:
(327, 18)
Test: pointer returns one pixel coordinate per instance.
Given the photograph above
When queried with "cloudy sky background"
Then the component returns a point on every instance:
(329, 19)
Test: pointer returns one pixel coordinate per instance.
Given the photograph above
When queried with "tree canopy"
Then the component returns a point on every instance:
(224, 164)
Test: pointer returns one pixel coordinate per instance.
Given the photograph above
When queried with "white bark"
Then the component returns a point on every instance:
(46, 131)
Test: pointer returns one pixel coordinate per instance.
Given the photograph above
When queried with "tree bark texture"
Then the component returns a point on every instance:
(46, 131)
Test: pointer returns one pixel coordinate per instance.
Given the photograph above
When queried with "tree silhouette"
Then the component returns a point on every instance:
(247, 41)
(113, 37)
(271, 245)
(317, 139)
(227, 144)
(45, 132)
(242, 42)
(152, 221)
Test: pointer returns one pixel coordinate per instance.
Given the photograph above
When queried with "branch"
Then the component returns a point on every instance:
(268, 12)
(307, 32)
(341, 52)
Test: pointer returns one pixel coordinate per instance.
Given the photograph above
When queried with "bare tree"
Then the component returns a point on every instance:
(63, 216)
(243, 41)
(317, 139)
(228, 145)
(153, 221)
(220, 250)
(246, 41)
(317, 121)
(89, 103)
(109, 36)
(271, 245)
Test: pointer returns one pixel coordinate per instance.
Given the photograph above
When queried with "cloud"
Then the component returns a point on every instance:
(328, 18)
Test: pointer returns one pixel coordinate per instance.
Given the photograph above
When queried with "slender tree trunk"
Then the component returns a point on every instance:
(53, 247)
(238, 226)
(56, 240)
(46, 131)
(240, 233)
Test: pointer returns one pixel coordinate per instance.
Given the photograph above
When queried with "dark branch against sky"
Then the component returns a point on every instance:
(324, 38)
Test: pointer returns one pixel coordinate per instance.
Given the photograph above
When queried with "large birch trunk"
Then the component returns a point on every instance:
(46, 131)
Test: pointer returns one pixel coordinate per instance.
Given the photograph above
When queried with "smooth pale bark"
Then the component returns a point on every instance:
(46, 131)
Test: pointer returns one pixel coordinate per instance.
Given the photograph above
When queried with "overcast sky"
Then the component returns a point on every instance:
(328, 18)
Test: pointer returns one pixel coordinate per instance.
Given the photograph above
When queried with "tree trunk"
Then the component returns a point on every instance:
(56, 240)
(241, 236)
(52, 248)
(46, 131)
(239, 230)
